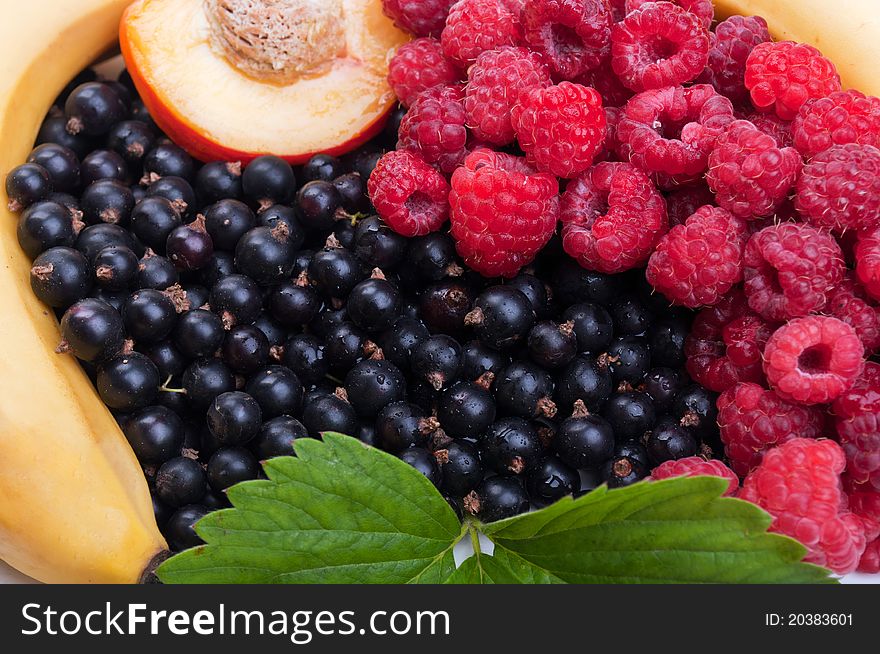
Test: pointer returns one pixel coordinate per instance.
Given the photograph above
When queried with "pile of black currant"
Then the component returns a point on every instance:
(224, 313)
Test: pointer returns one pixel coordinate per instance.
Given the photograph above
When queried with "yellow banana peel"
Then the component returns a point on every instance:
(74, 505)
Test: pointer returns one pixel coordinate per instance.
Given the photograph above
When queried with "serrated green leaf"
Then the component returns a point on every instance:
(338, 513)
(341, 512)
(672, 531)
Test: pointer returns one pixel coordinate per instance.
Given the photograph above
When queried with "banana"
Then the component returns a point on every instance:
(74, 506)
(846, 31)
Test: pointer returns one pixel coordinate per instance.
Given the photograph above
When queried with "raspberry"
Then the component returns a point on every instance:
(848, 302)
(870, 561)
(659, 44)
(495, 83)
(867, 255)
(672, 130)
(408, 194)
(841, 118)
(417, 66)
(702, 9)
(726, 344)
(772, 125)
(857, 420)
(695, 264)
(782, 76)
(684, 202)
(790, 269)
(750, 175)
(695, 466)
(610, 145)
(603, 79)
(474, 26)
(622, 237)
(864, 499)
(503, 212)
(434, 127)
(560, 128)
(419, 17)
(731, 44)
(753, 420)
(840, 188)
(573, 36)
(798, 484)
(813, 360)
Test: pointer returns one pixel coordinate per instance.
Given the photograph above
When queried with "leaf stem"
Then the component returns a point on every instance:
(475, 539)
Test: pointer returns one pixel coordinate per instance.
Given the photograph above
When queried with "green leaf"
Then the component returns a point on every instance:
(341, 512)
(338, 513)
(672, 531)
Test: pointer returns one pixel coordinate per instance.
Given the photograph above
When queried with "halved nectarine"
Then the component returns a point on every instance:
(234, 79)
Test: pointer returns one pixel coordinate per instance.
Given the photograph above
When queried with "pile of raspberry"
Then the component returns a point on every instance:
(734, 170)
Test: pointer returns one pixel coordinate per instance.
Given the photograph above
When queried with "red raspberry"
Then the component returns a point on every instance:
(419, 17)
(695, 264)
(813, 360)
(434, 127)
(672, 130)
(750, 174)
(610, 145)
(790, 269)
(848, 302)
(726, 344)
(772, 125)
(684, 202)
(870, 561)
(731, 44)
(864, 499)
(782, 76)
(474, 26)
(841, 118)
(417, 66)
(495, 83)
(612, 217)
(408, 194)
(702, 9)
(867, 256)
(798, 483)
(560, 128)
(695, 466)
(503, 212)
(840, 188)
(857, 419)
(659, 45)
(603, 79)
(753, 420)
(573, 36)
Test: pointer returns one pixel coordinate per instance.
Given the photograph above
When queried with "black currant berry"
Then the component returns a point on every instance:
(277, 390)
(95, 238)
(156, 272)
(116, 268)
(229, 466)
(436, 360)
(149, 316)
(583, 380)
(60, 163)
(277, 437)
(234, 418)
(630, 414)
(498, 498)
(398, 342)
(189, 247)
(670, 441)
(345, 346)
(268, 180)
(593, 326)
(628, 359)
(477, 359)
(45, 225)
(128, 381)
(443, 306)
(633, 450)
(329, 413)
(304, 355)
(551, 480)
(199, 333)
(227, 221)
(168, 160)
(623, 471)
(221, 265)
(237, 300)
(61, 276)
(279, 214)
(401, 425)
(152, 221)
(156, 434)
(168, 360)
(107, 201)
(334, 272)
(510, 446)
(26, 185)
(204, 380)
(103, 164)
(91, 330)
(534, 289)
(631, 315)
(266, 254)
(584, 440)
(245, 349)
(694, 407)
(93, 108)
(376, 245)
(372, 385)
(218, 180)
(181, 481)
(131, 139)
(551, 345)
(178, 192)
(525, 390)
(275, 333)
(180, 531)
(432, 257)
(465, 410)
(666, 339)
(502, 317)
(318, 203)
(572, 284)
(422, 460)
(663, 384)
(352, 191)
(322, 166)
(374, 304)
